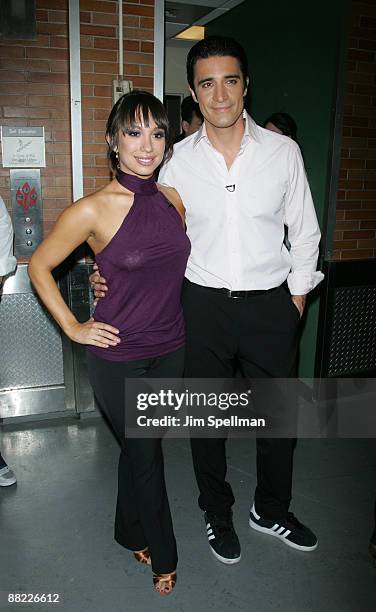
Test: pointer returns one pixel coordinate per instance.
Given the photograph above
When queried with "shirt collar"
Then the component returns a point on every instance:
(251, 129)
(200, 134)
(251, 132)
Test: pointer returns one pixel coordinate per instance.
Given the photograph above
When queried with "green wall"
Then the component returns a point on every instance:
(292, 49)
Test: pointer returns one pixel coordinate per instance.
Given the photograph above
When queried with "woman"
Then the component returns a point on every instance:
(136, 230)
(282, 123)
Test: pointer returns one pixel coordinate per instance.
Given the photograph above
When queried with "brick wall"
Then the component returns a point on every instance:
(355, 232)
(34, 87)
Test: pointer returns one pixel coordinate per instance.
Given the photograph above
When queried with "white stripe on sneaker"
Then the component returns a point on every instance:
(281, 530)
(210, 531)
(211, 537)
(283, 537)
(257, 516)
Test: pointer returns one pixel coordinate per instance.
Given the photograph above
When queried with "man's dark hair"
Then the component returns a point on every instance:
(285, 123)
(215, 46)
(128, 111)
(188, 107)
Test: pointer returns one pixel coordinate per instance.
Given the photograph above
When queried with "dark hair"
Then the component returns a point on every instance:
(285, 123)
(215, 46)
(188, 107)
(129, 109)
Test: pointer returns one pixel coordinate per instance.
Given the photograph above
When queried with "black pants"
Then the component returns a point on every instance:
(143, 515)
(258, 334)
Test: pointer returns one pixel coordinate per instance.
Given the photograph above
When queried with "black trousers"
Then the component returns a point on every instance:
(143, 515)
(259, 335)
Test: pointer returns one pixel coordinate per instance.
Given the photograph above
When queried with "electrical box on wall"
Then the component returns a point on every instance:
(27, 208)
(119, 88)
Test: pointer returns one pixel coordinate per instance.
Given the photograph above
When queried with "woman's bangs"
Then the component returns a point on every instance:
(140, 114)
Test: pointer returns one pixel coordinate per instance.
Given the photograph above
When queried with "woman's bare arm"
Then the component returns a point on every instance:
(73, 227)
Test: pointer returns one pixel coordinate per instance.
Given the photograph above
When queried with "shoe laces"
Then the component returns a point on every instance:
(222, 524)
(292, 520)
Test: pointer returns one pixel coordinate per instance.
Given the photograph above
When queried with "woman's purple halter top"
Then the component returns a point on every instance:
(144, 265)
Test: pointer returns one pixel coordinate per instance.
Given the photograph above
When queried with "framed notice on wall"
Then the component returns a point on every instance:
(23, 147)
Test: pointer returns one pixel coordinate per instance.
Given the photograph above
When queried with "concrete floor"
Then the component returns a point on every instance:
(57, 524)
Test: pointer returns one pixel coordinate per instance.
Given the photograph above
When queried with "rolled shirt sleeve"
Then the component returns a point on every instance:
(7, 261)
(303, 229)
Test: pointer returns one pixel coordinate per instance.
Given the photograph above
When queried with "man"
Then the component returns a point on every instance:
(7, 265)
(240, 185)
(191, 118)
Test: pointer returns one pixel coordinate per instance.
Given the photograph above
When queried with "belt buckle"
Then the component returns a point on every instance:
(233, 297)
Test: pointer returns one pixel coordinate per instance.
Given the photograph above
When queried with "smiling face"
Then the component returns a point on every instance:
(141, 148)
(219, 90)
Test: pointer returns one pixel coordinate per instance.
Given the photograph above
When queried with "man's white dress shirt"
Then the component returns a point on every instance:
(7, 261)
(235, 218)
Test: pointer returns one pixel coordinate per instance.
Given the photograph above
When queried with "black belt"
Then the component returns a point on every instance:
(236, 295)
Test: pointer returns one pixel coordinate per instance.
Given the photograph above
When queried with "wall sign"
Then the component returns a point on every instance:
(23, 147)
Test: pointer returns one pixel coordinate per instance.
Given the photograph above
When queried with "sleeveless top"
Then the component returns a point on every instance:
(144, 265)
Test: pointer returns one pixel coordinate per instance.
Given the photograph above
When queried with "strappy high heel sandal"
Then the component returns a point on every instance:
(142, 556)
(164, 583)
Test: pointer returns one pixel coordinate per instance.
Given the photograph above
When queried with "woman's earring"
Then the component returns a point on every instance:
(117, 159)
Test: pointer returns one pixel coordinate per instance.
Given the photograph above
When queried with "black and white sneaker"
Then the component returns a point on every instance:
(223, 541)
(290, 530)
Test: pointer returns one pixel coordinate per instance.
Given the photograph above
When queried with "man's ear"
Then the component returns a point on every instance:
(193, 95)
(246, 87)
(185, 126)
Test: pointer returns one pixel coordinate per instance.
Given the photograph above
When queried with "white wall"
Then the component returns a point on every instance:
(175, 72)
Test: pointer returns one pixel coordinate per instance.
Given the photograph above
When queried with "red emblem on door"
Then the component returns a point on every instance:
(26, 196)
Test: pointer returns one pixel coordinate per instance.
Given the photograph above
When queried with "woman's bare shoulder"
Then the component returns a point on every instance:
(91, 203)
(170, 193)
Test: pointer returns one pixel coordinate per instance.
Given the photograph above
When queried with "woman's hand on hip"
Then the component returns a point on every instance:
(93, 332)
